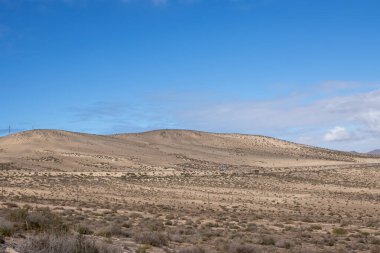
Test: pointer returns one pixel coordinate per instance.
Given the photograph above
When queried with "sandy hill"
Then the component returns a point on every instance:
(166, 149)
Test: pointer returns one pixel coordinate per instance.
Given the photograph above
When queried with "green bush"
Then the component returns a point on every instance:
(340, 231)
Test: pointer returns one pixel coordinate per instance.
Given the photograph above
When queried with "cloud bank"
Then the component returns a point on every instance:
(351, 119)
(350, 122)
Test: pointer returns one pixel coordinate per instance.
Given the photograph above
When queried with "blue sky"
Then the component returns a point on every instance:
(301, 70)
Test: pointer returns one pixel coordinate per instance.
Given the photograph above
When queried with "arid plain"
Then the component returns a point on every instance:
(185, 191)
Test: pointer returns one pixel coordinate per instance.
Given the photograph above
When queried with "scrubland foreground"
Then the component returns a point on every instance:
(184, 191)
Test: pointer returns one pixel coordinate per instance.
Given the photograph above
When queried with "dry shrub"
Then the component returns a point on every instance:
(251, 227)
(152, 238)
(10, 205)
(84, 230)
(135, 215)
(194, 249)
(283, 244)
(109, 231)
(236, 247)
(375, 249)
(65, 244)
(208, 234)
(340, 231)
(41, 219)
(314, 227)
(143, 249)
(18, 214)
(6, 228)
(268, 240)
(152, 224)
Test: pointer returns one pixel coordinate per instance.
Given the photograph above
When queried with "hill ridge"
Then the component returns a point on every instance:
(161, 132)
(165, 148)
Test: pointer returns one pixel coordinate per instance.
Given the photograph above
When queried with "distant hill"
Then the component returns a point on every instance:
(374, 152)
(166, 149)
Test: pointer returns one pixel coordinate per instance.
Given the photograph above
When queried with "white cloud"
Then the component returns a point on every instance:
(350, 122)
(293, 119)
(372, 120)
(337, 134)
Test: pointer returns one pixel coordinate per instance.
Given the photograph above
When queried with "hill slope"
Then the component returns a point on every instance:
(374, 152)
(61, 150)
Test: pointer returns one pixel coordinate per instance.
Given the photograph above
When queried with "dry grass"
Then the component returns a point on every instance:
(6, 228)
(151, 238)
(178, 200)
(193, 249)
(65, 244)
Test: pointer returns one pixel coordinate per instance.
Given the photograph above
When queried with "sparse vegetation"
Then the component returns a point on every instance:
(65, 244)
(189, 206)
(193, 249)
(6, 228)
(151, 238)
(340, 231)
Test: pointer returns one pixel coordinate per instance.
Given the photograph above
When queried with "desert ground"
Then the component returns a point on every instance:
(184, 191)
